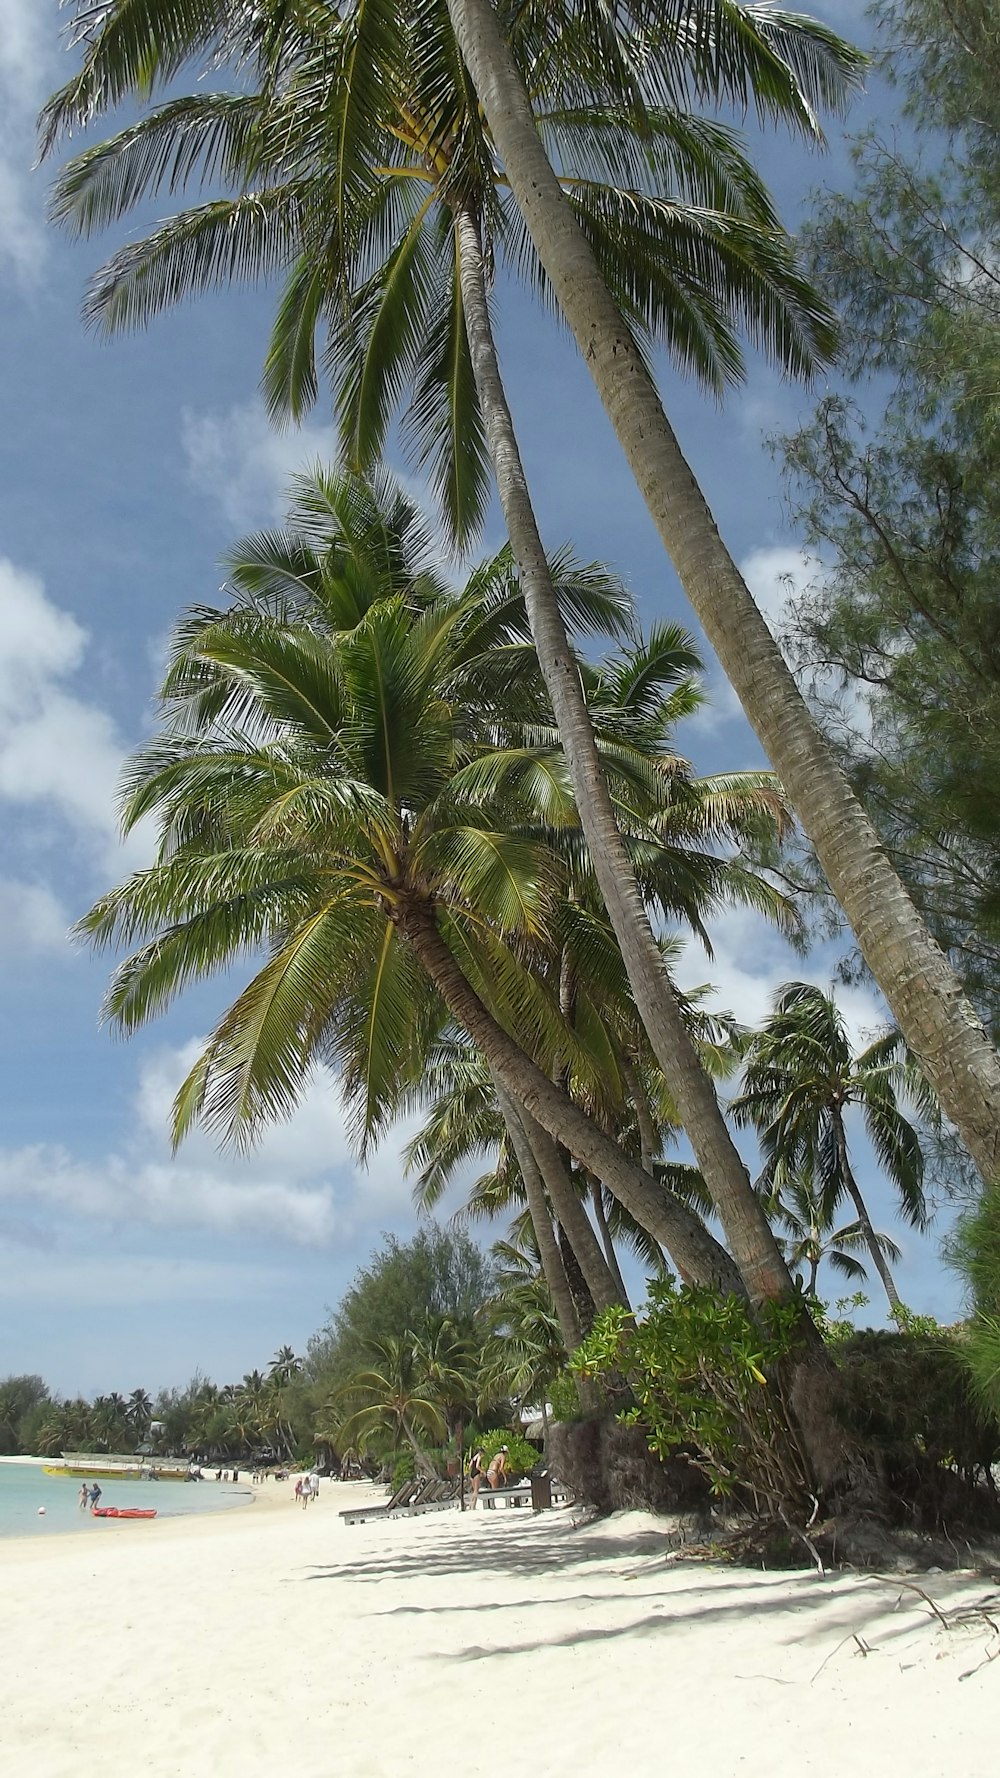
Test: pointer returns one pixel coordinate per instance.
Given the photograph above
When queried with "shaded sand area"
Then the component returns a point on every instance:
(272, 1639)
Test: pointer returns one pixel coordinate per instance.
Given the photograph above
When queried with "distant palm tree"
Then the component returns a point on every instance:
(808, 1236)
(139, 1411)
(389, 1405)
(524, 1351)
(801, 1077)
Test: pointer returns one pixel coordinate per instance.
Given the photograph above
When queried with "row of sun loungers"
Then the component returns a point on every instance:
(418, 1496)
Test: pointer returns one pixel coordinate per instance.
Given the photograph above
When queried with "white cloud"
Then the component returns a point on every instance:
(239, 460)
(60, 754)
(83, 1281)
(31, 918)
(752, 960)
(28, 41)
(299, 1186)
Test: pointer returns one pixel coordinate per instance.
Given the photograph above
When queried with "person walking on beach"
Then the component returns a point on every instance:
(476, 1473)
(83, 1498)
(496, 1474)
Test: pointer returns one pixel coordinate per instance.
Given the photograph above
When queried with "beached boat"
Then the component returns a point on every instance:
(123, 1512)
(107, 1466)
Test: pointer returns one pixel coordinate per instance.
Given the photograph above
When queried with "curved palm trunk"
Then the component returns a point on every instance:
(918, 982)
(671, 1222)
(553, 1269)
(573, 1219)
(649, 1142)
(747, 1229)
(872, 1242)
(421, 1461)
(607, 1239)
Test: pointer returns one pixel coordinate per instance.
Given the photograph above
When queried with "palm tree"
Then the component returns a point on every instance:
(809, 1237)
(683, 272)
(388, 1405)
(523, 1352)
(800, 1078)
(447, 1360)
(915, 977)
(309, 789)
(139, 1411)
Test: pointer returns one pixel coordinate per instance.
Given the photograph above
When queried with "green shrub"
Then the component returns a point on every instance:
(708, 1378)
(521, 1457)
(908, 1397)
(974, 1251)
(563, 1397)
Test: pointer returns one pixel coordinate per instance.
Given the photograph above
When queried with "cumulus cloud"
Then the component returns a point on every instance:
(60, 753)
(299, 1186)
(751, 961)
(240, 461)
(31, 918)
(28, 40)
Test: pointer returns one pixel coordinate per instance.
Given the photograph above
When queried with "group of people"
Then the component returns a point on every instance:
(306, 1489)
(88, 1496)
(495, 1471)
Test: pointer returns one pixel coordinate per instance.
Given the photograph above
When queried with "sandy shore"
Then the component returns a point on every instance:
(244, 1644)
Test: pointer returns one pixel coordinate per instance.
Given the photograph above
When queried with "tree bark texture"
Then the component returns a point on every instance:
(680, 1231)
(548, 1247)
(919, 984)
(569, 1212)
(746, 1227)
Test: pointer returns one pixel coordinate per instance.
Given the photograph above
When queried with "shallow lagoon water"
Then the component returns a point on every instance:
(24, 1487)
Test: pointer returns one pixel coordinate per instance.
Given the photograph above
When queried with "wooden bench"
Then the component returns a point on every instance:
(520, 1494)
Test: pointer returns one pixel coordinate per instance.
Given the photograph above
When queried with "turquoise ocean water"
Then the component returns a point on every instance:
(24, 1488)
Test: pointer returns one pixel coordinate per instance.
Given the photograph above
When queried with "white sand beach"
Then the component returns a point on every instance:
(272, 1639)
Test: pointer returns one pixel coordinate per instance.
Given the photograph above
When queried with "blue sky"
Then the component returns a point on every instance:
(127, 469)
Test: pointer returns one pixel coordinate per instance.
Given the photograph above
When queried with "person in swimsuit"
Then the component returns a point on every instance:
(496, 1475)
(476, 1473)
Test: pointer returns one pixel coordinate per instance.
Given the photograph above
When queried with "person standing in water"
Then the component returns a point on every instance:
(83, 1498)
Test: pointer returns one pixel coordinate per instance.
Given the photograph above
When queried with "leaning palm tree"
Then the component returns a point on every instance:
(800, 1079)
(800, 1210)
(705, 46)
(308, 786)
(365, 81)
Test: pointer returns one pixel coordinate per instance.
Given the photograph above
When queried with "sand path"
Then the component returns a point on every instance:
(245, 1644)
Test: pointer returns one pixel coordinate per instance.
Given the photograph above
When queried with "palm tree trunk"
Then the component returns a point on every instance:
(879, 1260)
(553, 1269)
(918, 982)
(648, 1140)
(682, 1233)
(747, 1229)
(607, 1239)
(421, 1460)
(571, 1215)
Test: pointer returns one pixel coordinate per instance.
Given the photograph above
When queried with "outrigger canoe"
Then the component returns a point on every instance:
(123, 1512)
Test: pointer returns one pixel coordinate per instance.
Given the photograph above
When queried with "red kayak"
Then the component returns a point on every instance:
(123, 1512)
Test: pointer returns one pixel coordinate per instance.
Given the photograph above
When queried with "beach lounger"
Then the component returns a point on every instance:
(402, 1497)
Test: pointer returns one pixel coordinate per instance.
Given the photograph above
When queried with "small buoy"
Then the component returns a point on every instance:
(41, 1512)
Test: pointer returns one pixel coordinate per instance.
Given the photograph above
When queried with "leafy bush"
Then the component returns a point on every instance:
(563, 1397)
(521, 1457)
(707, 1377)
(907, 1396)
(974, 1251)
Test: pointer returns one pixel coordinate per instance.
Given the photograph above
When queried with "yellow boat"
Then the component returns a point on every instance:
(107, 1466)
